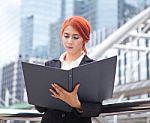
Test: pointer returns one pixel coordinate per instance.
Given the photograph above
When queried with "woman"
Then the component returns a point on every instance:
(75, 33)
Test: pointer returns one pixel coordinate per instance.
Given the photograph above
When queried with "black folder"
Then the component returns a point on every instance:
(96, 82)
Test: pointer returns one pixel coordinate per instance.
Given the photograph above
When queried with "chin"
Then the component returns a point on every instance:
(70, 52)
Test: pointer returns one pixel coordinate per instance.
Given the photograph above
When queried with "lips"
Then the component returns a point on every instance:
(69, 47)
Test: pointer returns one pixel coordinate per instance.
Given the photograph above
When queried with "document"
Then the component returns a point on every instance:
(96, 81)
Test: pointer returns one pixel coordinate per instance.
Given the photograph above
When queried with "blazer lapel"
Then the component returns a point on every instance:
(58, 64)
(86, 60)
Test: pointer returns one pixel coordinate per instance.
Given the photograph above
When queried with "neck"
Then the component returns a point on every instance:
(72, 57)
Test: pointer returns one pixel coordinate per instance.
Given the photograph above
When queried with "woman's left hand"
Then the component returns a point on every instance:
(70, 98)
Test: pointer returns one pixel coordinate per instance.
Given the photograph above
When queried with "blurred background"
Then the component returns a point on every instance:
(30, 31)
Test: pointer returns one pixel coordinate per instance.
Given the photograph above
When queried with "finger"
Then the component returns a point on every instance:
(53, 92)
(54, 96)
(58, 87)
(57, 91)
(76, 89)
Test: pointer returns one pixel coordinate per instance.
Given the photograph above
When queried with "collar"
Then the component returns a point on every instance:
(62, 57)
(57, 62)
(65, 65)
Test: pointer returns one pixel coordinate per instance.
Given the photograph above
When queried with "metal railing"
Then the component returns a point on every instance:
(109, 109)
(19, 114)
(121, 34)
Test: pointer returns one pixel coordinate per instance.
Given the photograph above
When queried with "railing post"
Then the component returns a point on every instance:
(115, 119)
(148, 120)
(1, 121)
(100, 119)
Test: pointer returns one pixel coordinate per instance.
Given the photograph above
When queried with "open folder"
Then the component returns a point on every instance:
(96, 82)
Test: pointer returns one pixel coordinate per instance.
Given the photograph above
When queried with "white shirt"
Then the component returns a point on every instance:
(67, 66)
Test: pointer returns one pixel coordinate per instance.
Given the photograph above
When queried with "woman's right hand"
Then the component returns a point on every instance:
(70, 98)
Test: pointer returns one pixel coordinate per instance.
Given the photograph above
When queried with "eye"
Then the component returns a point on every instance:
(66, 36)
(76, 37)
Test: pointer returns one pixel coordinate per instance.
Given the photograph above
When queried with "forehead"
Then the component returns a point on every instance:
(70, 30)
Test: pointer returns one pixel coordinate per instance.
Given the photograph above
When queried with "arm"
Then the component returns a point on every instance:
(89, 109)
(40, 109)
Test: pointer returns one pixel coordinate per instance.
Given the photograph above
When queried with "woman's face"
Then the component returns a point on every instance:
(72, 41)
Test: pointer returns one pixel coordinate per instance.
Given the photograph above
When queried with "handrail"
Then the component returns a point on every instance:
(20, 114)
(126, 107)
(123, 107)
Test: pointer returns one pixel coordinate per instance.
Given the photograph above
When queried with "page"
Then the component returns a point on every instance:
(38, 80)
(96, 79)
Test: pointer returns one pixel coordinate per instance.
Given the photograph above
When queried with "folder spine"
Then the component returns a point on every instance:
(70, 83)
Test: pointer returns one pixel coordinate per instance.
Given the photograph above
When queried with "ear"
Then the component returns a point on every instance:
(84, 48)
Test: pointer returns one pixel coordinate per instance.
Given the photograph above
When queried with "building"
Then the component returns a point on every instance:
(55, 46)
(129, 8)
(87, 9)
(36, 18)
(26, 42)
(107, 14)
(12, 83)
(40, 52)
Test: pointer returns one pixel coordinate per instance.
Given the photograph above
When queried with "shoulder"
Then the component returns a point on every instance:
(86, 60)
(53, 63)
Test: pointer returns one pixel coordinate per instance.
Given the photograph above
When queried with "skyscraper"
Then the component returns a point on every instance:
(55, 47)
(36, 19)
(12, 83)
(106, 22)
(85, 8)
(107, 13)
(26, 42)
(129, 8)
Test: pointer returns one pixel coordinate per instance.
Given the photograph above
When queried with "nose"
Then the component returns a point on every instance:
(69, 40)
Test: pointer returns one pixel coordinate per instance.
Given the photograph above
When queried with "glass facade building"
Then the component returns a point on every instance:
(43, 13)
(26, 42)
(12, 84)
(107, 13)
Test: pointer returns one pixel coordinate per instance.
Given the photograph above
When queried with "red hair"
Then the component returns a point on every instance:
(81, 25)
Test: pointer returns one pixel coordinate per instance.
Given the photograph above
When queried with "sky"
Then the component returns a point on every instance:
(9, 30)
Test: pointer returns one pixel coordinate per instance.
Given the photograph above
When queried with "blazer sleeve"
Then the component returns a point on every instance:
(41, 109)
(89, 110)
